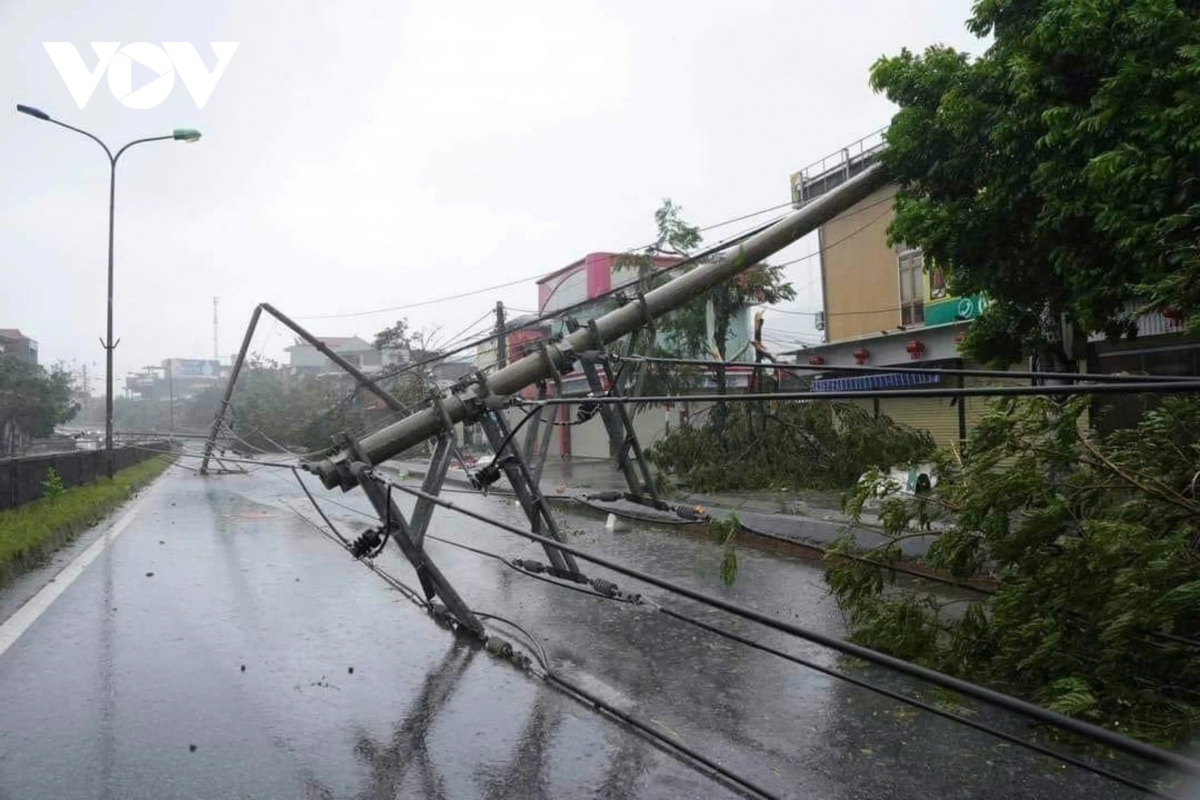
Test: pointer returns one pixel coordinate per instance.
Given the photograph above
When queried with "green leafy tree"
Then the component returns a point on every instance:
(1093, 545)
(1057, 172)
(703, 327)
(273, 408)
(34, 398)
(394, 337)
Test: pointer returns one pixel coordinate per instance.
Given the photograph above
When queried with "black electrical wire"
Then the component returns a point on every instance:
(715, 770)
(859, 682)
(923, 706)
(970, 373)
(552, 677)
(677, 747)
(279, 464)
(722, 245)
(320, 511)
(536, 646)
(1087, 730)
(511, 435)
(1065, 758)
(518, 281)
(898, 568)
(1157, 387)
(710, 251)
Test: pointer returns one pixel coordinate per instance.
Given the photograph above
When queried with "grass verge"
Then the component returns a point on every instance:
(30, 533)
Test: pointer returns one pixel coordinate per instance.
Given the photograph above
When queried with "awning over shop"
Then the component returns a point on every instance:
(883, 380)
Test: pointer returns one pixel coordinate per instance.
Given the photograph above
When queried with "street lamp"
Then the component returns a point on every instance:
(180, 135)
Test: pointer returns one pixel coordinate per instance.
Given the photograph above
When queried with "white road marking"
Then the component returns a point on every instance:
(12, 628)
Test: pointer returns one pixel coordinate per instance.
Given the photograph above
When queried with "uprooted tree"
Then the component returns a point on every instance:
(788, 445)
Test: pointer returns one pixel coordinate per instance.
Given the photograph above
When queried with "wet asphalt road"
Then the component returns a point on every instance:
(131, 684)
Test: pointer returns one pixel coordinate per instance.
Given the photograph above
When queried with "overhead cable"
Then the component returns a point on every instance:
(970, 373)
(518, 281)
(1030, 710)
(1155, 387)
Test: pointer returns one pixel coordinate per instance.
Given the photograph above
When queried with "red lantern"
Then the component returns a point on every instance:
(816, 361)
(915, 348)
(861, 355)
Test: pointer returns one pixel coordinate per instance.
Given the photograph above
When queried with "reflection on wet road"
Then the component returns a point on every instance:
(224, 648)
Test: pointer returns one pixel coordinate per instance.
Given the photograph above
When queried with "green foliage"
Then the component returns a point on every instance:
(304, 412)
(787, 445)
(725, 532)
(1056, 172)
(1096, 545)
(395, 337)
(34, 398)
(27, 531)
(52, 485)
(703, 327)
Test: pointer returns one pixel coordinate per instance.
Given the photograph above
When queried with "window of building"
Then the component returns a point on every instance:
(912, 290)
(937, 283)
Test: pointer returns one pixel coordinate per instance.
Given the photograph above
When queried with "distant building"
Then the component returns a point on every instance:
(15, 343)
(447, 373)
(178, 378)
(304, 359)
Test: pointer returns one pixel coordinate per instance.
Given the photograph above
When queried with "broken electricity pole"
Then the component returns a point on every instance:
(484, 399)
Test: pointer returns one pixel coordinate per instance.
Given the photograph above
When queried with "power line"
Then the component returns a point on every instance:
(518, 281)
(861, 683)
(422, 303)
(1087, 730)
(717, 772)
(970, 373)
(845, 238)
(556, 313)
(1163, 387)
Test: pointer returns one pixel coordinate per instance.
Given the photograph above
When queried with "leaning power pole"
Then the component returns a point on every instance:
(492, 392)
(501, 343)
(483, 398)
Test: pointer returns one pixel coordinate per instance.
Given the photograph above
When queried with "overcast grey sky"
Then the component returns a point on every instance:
(358, 155)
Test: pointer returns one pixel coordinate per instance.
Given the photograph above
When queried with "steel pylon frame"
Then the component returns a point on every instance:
(623, 438)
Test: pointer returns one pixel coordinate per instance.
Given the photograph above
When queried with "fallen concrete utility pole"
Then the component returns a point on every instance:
(488, 393)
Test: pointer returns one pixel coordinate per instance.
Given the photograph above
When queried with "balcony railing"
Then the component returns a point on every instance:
(836, 168)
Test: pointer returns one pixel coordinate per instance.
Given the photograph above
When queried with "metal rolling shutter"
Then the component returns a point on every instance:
(934, 414)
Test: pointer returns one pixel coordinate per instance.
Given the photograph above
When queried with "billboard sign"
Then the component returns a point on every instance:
(193, 368)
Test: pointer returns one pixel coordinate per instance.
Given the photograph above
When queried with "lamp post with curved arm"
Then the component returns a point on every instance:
(179, 134)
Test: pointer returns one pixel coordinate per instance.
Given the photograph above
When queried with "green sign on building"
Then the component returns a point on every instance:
(954, 309)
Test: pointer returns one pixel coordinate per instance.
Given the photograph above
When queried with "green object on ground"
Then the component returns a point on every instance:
(30, 533)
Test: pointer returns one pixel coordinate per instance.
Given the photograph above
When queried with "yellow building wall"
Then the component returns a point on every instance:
(861, 282)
